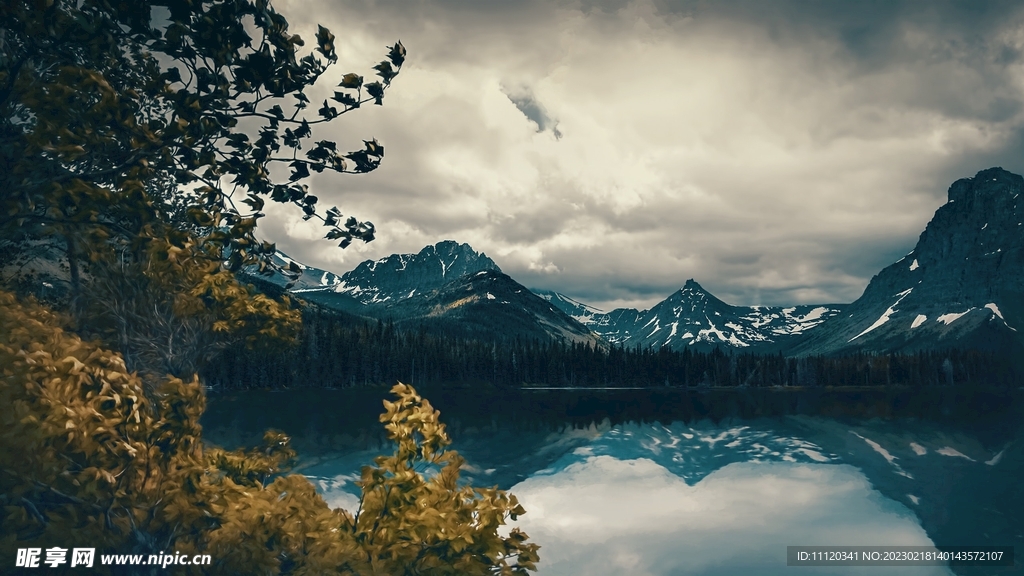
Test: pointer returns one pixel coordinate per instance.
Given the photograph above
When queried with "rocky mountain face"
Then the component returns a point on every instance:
(447, 287)
(962, 285)
(485, 304)
(694, 318)
(402, 276)
(379, 283)
(582, 313)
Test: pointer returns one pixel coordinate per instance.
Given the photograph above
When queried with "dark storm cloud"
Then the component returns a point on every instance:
(778, 152)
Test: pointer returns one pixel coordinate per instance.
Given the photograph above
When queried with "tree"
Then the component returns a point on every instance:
(106, 151)
(144, 132)
(101, 139)
(87, 459)
(139, 140)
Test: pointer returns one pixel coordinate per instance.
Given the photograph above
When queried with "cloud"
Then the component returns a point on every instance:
(779, 153)
(611, 516)
(533, 110)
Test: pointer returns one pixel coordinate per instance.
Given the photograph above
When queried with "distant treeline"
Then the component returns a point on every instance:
(337, 351)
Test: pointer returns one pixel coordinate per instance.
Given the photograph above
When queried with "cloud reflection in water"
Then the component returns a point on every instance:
(608, 509)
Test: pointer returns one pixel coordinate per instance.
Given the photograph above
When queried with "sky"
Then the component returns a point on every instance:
(779, 153)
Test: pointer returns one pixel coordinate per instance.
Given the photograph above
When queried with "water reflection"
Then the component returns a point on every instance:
(672, 483)
(604, 515)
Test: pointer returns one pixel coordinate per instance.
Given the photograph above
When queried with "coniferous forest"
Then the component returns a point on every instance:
(336, 350)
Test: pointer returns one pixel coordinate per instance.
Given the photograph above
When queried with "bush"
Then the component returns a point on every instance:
(87, 459)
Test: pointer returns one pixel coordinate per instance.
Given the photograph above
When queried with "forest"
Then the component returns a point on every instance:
(336, 350)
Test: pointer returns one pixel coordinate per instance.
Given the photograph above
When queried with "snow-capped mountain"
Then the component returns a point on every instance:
(447, 287)
(389, 279)
(692, 317)
(486, 304)
(401, 276)
(962, 285)
(383, 282)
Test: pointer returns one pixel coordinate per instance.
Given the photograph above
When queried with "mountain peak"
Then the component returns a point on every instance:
(991, 182)
(694, 292)
(452, 249)
(401, 276)
(692, 285)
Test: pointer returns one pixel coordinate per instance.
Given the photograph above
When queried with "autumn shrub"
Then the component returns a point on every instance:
(89, 459)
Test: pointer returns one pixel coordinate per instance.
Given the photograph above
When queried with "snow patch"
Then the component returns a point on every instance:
(288, 260)
(885, 454)
(815, 314)
(446, 267)
(947, 451)
(813, 455)
(918, 449)
(490, 296)
(877, 448)
(913, 499)
(995, 459)
(948, 319)
(913, 265)
(995, 309)
(885, 315)
(918, 321)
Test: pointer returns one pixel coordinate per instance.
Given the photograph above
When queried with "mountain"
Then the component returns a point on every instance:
(310, 278)
(375, 283)
(484, 305)
(447, 287)
(401, 276)
(962, 285)
(582, 313)
(694, 318)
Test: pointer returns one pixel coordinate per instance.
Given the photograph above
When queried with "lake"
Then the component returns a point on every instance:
(684, 482)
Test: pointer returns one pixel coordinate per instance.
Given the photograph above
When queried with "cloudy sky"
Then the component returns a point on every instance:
(777, 152)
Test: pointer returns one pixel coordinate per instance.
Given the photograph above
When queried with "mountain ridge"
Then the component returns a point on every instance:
(962, 285)
(693, 317)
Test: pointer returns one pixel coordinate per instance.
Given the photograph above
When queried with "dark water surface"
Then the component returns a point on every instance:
(669, 481)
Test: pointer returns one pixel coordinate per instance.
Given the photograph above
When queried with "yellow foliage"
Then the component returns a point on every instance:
(170, 308)
(88, 460)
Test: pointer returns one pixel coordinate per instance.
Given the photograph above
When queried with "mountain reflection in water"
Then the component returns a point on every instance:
(675, 482)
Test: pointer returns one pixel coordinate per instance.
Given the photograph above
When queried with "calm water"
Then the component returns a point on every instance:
(672, 482)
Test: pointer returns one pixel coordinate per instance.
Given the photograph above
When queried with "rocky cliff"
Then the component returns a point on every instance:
(962, 285)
